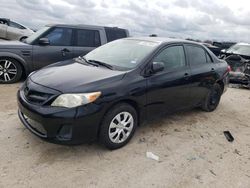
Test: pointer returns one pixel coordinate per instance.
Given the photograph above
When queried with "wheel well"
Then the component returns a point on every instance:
(23, 69)
(130, 102)
(221, 85)
(127, 101)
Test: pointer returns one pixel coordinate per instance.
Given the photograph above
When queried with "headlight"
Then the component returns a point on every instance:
(73, 100)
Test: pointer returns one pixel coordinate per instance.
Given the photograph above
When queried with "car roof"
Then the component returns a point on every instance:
(79, 26)
(161, 40)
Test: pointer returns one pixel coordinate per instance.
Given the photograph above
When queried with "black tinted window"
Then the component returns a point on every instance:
(88, 38)
(60, 37)
(197, 55)
(115, 33)
(172, 57)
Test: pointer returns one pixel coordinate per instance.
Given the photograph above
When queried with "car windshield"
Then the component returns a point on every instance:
(240, 49)
(34, 36)
(123, 54)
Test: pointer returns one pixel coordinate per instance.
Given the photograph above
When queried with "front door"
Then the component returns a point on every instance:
(59, 48)
(168, 90)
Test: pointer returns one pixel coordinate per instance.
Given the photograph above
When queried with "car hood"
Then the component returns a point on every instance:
(242, 55)
(13, 45)
(71, 76)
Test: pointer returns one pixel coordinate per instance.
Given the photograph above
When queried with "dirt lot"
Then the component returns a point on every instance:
(192, 149)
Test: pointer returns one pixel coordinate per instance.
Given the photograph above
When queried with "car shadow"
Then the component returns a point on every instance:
(163, 125)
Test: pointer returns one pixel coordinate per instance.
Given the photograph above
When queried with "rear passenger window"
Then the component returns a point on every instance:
(209, 59)
(88, 38)
(196, 54)
(172, 57)
(115, 33)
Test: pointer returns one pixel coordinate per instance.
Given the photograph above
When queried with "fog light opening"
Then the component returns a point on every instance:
(65, 133)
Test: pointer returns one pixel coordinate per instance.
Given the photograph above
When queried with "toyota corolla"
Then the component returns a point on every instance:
(107, 93)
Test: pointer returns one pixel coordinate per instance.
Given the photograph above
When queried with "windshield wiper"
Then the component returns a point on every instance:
(101, 63)
(84, 61)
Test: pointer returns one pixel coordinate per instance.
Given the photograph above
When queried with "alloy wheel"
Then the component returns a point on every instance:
(121, 127)
(8, 70)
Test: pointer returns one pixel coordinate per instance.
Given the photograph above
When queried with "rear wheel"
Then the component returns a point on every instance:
(118, 126)
(212, 99)
(10, 71)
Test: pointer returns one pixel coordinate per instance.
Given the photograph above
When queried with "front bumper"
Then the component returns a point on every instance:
(60, 125)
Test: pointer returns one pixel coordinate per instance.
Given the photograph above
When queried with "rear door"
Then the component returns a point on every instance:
(203, 73)
(59, 48)
(86, 40)
(168, 90)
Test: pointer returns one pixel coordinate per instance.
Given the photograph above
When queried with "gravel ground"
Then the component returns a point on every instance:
(191, 146)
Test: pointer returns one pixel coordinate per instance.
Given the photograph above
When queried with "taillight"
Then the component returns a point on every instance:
(229, 68)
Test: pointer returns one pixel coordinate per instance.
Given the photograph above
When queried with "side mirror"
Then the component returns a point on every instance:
(43, 41)
(157, 67)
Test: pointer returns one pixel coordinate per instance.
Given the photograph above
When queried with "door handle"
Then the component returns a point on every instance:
(64, 51)
(212, 70)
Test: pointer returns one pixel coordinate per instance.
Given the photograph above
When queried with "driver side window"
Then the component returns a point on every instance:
(60, 37)
(173, 57)
(15, 25)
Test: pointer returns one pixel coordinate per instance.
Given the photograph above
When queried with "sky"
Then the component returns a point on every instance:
(220, 20)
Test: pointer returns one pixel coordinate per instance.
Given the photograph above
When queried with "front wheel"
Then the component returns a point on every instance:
(118, 126)
(10, 71)
(212, 99)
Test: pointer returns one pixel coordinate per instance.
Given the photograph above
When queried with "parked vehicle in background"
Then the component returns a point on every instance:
(11, 30)
(238, 57)
(108, 92)
(223, 45)
(51, 44)
(216, 50)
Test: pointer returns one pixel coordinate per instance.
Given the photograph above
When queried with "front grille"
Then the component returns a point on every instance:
(38, 94)
(36, 97)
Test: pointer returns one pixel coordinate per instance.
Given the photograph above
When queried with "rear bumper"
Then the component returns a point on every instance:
(60, 125)
(239, 78)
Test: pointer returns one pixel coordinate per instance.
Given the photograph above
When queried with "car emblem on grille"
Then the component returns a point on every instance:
(26, 91)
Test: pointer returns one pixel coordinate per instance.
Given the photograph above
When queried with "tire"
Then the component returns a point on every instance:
(10, 71)
(212, 99)
(114, 135)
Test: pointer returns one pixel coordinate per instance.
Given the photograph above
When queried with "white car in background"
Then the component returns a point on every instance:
(10, 30)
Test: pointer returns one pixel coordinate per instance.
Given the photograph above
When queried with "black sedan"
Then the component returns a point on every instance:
(107, 93)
